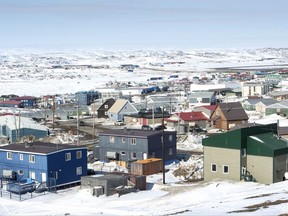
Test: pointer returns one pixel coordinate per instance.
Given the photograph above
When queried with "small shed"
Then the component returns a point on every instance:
(146, 167)
(108, 182)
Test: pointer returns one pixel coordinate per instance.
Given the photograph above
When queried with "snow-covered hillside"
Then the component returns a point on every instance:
(40, 73)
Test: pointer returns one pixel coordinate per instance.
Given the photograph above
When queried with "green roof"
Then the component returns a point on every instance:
(267, 144)
(237, 139)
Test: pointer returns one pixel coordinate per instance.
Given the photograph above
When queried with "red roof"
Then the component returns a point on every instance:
(190, 116)
(24, 98)
(11, 102)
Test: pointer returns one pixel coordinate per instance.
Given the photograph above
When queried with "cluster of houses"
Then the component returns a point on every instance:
(241, 150)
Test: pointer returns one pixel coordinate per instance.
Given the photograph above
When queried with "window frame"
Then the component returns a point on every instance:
(212, 166)
(225, 166)
(132, 155)
(9, 155)
(68, 156)
(111, 139)
(21, 157)
(32, 159)
(133, 141)
(79, 170)
(78, 154)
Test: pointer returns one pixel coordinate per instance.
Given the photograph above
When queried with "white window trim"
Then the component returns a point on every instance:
(78, 170)
(21, 157)
(111, 139)
(30, 158)
(212, 167)
(133, 141)
(80, 154)
(68, 158)
(9, 155)
(224, 169)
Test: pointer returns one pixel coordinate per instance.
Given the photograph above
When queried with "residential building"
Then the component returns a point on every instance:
(228, 115)
(55, 164)
(254, 89)
(27, 101)
(127, 145)
(254, 153)
(102, 111)
(197, 98)
(184, 122)
(15, 127)
(120, 108)
(279, 95)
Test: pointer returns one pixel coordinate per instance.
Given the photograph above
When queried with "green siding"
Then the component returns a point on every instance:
(230, 139)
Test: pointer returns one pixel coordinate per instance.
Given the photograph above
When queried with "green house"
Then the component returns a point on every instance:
(251, 153)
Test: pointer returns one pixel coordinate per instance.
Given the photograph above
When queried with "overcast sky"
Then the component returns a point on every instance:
(143, 24)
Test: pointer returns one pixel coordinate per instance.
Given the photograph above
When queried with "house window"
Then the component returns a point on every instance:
(79, 171)
(106, 113)
(68, 156)
(79, 154)
(31, 158)
(123, 153)
(21, 157)
(106, 106)
(9, 155)
(170, 138)
(123, 139)
(133, 155)
(32, 175)
(111, 139)
(170, 151)
(213, 168)
(133, 141)
(225, 169)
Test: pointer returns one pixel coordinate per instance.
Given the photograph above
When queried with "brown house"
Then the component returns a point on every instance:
(228, 115)
(103, 109)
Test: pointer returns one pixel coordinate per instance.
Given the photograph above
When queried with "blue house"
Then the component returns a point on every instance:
(128, 145)
(27, 101)
(57, 164)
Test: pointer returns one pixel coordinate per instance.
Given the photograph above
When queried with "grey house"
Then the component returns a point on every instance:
(120, 108)
(201, 97)
(258, 104)
(128, 145)
(280, 108)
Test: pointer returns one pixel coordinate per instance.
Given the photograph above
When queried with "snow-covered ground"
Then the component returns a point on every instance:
(31, 74)
(38, 74)
(201, 198)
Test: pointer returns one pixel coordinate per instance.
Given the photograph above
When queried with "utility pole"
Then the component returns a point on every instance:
(78, 142)
(163, 147)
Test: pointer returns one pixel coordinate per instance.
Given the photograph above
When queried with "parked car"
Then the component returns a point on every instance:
(119, 123)
(146, 127)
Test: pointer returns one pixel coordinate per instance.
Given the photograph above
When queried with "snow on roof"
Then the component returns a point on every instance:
(13, 122)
